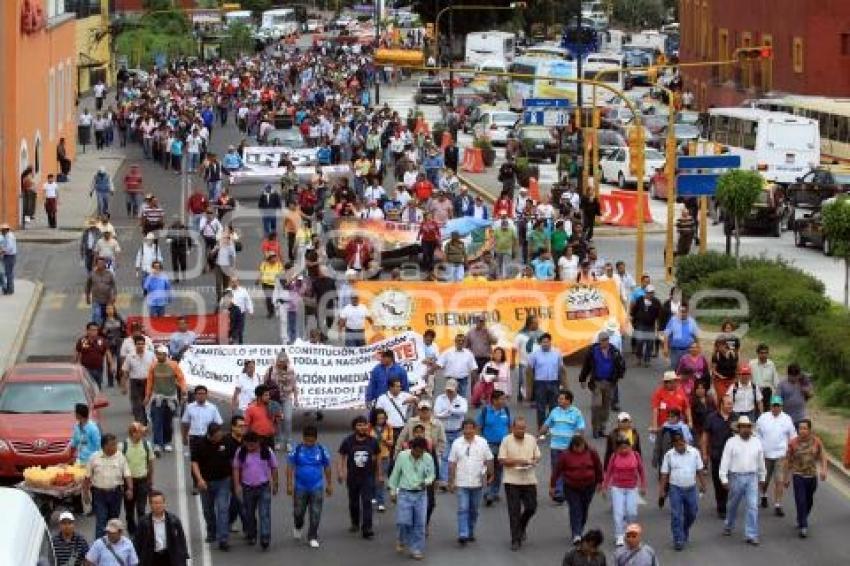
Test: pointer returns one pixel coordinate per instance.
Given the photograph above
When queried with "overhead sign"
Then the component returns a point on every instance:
(698, 174)
(546, 103)
(551, 112)
(328, 377)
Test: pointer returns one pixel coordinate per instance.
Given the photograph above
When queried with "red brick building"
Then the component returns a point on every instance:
(810, 40)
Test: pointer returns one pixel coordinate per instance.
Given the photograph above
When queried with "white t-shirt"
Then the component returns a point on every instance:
(457, 364)
(51, 190)
(395, 408)
(470, 459)
(99, 90)
(568, 267)
(246, 385)
(354, 316)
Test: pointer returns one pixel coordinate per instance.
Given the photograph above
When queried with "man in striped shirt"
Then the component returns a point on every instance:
(69, 547)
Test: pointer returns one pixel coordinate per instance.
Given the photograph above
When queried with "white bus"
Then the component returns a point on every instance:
(484, 46)
(780, 146)
(548, 51)
(278, 23)
(521, 88)
(614, 76)
(832, 114)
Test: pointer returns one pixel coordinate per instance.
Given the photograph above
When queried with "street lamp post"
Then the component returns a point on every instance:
(377, 45)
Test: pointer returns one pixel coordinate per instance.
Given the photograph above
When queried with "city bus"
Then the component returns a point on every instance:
(779, 145)
(489, 46)
(548, 51)
(279, 22)
(521, 88)
(593, 65)
(832, 115)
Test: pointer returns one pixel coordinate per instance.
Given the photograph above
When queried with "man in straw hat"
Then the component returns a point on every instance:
(742, 470)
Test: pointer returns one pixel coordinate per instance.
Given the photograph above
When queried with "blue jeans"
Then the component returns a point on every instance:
(257, 500)
(97, 376)
(9, 273)
(102, 202)
(554, 454)
(156, 311)
(451, 436)
(106, 504)
(676, 355)
(213, 190)
(312, 501)
(98, 313)
(492, 490)
(216, 504)
(162, 421)
(454, 272)
(684, 504)
(194, 159)
(269, 224)
(744, 487)
(545, 399)
(578, 499)
(468, 500)
(410, 517)
(381, 488)
(625, 506)
(462, 386)
(804, 498)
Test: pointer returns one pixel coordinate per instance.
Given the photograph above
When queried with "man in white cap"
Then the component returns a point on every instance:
(69, 547)
(743, 472)
(450, 408)
(114, 549)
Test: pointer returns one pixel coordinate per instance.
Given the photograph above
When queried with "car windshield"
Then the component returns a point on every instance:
(504, 117)
(430, 87)
(536, 134)
(41, 397)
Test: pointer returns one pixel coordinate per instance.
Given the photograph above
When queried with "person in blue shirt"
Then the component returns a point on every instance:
(544, 267)
(323, 154)
(639, 292)
(177, 154)
(86, 437)
(681, 331)
(181, 340)
(546, 365)
(157, 290)
(380, 377)
(308, 479)
(231, 161)
(563, 423)
(494, 424)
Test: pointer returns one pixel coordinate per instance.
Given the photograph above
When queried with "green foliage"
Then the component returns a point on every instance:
(256, 6)
(238, 41)
(836, 224)
(695, 268)
(835, 394)
(157, 5)
(482, 142)
(827, 351)
(738, 190)
(166, 32)
(639, 14)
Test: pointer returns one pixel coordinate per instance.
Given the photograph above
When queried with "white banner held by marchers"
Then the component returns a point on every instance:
(329, 377)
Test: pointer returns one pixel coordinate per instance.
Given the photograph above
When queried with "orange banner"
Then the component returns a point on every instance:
(573, 314)
(392, 235)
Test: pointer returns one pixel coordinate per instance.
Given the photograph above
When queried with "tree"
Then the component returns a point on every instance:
(256, 6)
(152, 5)
(836, 227)
(737, 192)
(639, 14)
(238, 42)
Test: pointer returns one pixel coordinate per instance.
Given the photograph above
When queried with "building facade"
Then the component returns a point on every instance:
(94, 55)
(810, 42)
(37, 85)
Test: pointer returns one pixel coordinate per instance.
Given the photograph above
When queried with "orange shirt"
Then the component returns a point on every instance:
(178, 374)
(258, 419)
(664, 400)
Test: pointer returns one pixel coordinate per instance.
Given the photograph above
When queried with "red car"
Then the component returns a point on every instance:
(37, 414)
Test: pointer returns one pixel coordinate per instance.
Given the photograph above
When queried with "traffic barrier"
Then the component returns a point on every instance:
(620, 208)
(847, 450)
(447, 139)
(647, 215)
(534, 189)
(473, 161)
(421, 126)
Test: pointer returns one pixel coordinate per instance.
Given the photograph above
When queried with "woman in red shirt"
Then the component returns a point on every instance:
(624, 478)
(580, 471)
(429, 236)
(270, 244)
(503, 205)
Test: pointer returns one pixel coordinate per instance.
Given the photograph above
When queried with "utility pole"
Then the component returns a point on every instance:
(579, 57)
(377, 45)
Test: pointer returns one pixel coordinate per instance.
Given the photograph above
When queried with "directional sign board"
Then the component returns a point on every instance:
(698, 175)
(546, 111)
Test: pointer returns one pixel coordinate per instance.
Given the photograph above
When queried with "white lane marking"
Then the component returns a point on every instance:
(183, 501)
(206, 557)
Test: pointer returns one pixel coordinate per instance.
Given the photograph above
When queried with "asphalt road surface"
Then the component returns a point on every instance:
(61, 318)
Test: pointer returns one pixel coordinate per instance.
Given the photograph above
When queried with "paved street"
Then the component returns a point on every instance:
(62, 314)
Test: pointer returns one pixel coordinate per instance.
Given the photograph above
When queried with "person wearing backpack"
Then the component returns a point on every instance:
(308, 480)
(140, 458)
(255, 481)
(494, 424)
(746, 395)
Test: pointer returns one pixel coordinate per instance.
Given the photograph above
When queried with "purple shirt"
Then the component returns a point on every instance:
(254, 470)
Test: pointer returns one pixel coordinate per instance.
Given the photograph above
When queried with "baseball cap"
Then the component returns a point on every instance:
(650, 288)
(66, 516)
(624, 416)
(161, 349)
(670, 375)
(776, 400)
(114, 526)
(451, 384)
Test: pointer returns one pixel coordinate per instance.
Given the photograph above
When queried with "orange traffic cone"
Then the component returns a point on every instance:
(473, 162)
(534, 189)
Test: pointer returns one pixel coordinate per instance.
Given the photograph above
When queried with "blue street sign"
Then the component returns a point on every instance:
(727, 161)
(696, 185)
(532, 118)
(546, 103)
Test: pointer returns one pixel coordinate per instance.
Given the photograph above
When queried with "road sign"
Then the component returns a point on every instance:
(698, 174)
(548, 117)
(546, 103)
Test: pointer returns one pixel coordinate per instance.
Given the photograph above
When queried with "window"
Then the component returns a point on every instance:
(37, 161)
(845, 44)
(797, 54)
(767, 64)
(703, 32)
(83, 8)
(723, 52)
(55, 8)
(69, 89)
(51, 104)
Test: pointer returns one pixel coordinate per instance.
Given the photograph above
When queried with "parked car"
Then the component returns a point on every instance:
(37, 414)
(807, 195)
(495, 123)
(430, 91)
(769, 211)
(615, 166)
(535, 143)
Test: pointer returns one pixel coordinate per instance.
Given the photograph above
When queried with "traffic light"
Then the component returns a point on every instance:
(636, 147)
(754, 53)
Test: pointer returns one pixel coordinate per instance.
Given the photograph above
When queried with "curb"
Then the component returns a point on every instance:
(839, 473)
(26, 322)
(599, 230)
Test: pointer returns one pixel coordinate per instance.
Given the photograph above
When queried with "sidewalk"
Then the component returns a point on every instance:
(489, 188)
(18, 311)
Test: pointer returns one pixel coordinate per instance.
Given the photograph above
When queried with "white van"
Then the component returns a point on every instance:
(25, 541)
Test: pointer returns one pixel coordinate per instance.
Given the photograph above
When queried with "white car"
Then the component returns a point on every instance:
(496, 125)
(614, 166)
(314, 26)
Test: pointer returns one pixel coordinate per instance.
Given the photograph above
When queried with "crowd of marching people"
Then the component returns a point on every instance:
(733, 421)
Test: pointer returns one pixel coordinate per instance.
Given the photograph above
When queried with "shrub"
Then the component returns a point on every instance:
(835, 394)
(827, 351)
(694, 268)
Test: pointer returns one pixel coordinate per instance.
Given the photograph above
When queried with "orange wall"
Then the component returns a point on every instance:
(30, 61)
